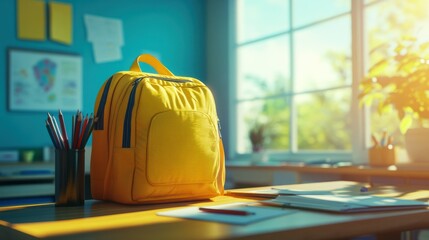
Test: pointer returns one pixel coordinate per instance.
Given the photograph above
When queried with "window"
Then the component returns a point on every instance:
(293, 75)
(296, 88)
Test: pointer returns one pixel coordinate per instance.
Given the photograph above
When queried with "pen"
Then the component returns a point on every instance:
(226, 211)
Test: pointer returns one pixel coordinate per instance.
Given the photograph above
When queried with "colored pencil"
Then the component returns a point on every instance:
(63, 129)
(81, 130)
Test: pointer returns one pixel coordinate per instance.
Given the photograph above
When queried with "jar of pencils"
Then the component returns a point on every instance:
(69, 177)
(382, 156)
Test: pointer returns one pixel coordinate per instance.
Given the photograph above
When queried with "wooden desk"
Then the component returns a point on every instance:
(256, 175)
(103, 220)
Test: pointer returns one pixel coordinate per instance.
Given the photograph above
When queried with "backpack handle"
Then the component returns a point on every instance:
(153, 62)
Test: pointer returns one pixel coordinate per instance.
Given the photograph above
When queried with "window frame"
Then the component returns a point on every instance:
(360, 131)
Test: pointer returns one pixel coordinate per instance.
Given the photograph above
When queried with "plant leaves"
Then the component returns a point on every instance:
(378, 68)
(405, 123)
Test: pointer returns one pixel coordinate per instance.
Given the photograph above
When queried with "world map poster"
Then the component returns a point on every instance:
(43, 81)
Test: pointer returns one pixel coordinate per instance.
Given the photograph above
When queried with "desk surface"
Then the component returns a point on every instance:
(104, 220)
(400, 171)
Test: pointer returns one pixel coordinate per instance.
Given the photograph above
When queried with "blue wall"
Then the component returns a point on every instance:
(173, 29)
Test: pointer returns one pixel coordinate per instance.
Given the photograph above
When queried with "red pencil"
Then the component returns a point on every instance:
(82, 132)
(77, 129)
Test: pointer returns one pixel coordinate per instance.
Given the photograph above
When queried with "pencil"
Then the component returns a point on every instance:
(60, 136)
(82, 132)
(63, 129)
(77, 129)
(53, 130)
(72, 132)
(87, 131)
(51, 135)
(226, 211)
(93, 124)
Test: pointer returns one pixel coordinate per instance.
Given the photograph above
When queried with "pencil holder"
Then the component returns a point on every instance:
(69, 177)
(382, 156)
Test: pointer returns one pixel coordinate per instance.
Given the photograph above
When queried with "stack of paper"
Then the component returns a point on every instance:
(274, 192)
(340, 203)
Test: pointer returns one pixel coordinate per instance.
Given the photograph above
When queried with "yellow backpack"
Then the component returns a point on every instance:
(156, 139)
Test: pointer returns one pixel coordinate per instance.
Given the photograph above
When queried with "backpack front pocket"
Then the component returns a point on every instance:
(182, 148)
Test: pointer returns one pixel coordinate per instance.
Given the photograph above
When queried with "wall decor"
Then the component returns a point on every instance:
(44, 81)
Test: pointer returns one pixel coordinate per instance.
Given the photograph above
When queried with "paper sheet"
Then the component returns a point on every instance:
(343, 203)
(31, 19)
(260, 213)
(103, 29)
(61, 22)
(106, 36)
(106, 52)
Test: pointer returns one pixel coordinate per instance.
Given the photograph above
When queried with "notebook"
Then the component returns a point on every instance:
(342, 203)
(274, 192)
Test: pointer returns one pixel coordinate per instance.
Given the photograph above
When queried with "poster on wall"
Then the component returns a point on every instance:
(44, 81)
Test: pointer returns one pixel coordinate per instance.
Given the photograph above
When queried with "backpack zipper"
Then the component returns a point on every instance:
(99, 124)
(126, 137)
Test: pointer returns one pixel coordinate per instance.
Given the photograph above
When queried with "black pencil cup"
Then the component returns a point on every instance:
(69, 177)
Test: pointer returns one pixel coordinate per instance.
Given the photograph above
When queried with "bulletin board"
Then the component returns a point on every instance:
(44, 81)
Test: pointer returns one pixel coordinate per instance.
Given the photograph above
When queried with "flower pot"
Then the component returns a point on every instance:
(259, 157)
(417, 144)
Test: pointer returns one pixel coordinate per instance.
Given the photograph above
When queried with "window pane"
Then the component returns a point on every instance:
(268, 120)
(388, 22)
(263, 68)
(323, 55)
(324, 121)
(310, 11)
(258, 18)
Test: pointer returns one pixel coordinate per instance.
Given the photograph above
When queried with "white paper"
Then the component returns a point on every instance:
(274, 192)
(259, 213)
(106, 36)
(103, 29)
(343, 203)
(106, 52)
(301, 192)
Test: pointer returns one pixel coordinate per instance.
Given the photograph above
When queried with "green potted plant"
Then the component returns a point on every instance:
(257, 136)
(400, 81)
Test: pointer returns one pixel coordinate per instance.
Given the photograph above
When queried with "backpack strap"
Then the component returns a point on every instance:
(153, 62)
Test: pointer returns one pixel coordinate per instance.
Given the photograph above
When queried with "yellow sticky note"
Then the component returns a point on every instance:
(61, 22)
(31, 17)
